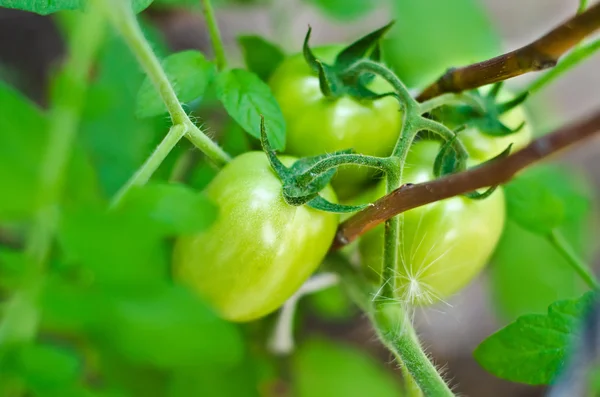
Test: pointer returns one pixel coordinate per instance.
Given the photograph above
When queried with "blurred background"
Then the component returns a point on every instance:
(31, 46)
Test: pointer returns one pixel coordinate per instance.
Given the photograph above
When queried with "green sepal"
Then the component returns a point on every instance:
(361, 47)
(304, 164)
(447, 160)
(485, 117)
(334, 80)
(280, 169)
(319, 203)
(480, 196)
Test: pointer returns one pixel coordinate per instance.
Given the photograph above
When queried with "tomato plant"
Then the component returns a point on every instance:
(147, 248)
(247, 263)
(317, 124)
(441, 246)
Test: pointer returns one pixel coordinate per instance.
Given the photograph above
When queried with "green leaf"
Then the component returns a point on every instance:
(261, 56)
(23, 138)
(543, 198)
(171, 328)
(527, 273)
(324, 368)
(189, 73)
(344, 10)
(47, 367)
(534, 348)
(45, 7)
(458, 32)
(174, 209)
(331, 304)
(246, 98)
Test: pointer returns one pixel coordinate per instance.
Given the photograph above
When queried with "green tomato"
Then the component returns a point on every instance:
(484, 147)
(317, 125)
(443, 245)
(260, 249)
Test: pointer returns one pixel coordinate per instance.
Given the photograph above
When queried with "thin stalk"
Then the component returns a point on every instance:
(393, 327)
(215, 34)
(21, 316)
(568, 62)
(445, 133)
(151, 164)
(564, 248)
(380, 163)
(126, 23)
(582, 6)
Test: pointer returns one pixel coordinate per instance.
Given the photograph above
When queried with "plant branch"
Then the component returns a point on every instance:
(496, 172)
(215, 34)
(126, 23)
(541, 54)
(564, 248)
(394, 328)
(143, 174)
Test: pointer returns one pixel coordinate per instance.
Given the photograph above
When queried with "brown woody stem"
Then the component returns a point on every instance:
(541, 54)
(494, 173)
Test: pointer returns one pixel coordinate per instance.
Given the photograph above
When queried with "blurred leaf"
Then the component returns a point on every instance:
(201, 175)
(233, 382)
(246, 98)
(235, 141)
(331, 303)
(171, 328)
(45, 7)
(189, 73)
(544, 197)
(324, 369)
(46, 367)
(261, 56)
(13, 264)
(174, 209)
(118, 249)
(533, 349)
(431, 36)
(116, 140)
(23, 138)
(527, 273)
(344, 9)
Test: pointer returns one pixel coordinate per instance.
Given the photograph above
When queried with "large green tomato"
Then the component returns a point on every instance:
(317, 125)
(260, 249)
(484, 147)
(442, 245)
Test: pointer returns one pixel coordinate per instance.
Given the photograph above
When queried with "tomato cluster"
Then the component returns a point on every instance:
(261, 249)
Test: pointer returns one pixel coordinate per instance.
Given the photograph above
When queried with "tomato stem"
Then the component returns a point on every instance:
(125, 22)
(215, 34)
(564, 248)
(143, 174)
(443, 132)
(380, 163)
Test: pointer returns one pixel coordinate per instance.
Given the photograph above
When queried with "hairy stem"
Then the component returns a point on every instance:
(380, 163)
(568, 62)
(564, 248)
(143, 174)
(126, 23)
(445, 133)
(215, 34)
(67, 98)
(493, 173)
(541, 54)
(394, 328)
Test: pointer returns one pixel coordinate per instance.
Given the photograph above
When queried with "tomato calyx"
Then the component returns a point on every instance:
(305, 179)
(486, 117)
(334, 80)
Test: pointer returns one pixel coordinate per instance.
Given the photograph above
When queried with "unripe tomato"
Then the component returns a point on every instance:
(260, 249)
(317, 125)
(443, 245)
(483, 147)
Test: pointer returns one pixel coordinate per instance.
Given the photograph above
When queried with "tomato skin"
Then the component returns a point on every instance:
(442, 245)
(317, 125)
(483, 147)
(260, 249)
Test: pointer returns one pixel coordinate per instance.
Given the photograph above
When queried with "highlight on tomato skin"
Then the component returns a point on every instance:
(261, 249)
(316, 124)
(442, 246)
